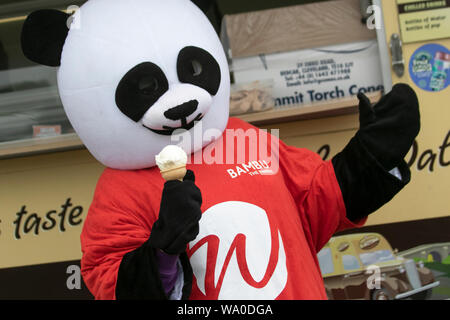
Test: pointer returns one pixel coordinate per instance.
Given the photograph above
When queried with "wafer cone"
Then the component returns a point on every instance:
(175, 173)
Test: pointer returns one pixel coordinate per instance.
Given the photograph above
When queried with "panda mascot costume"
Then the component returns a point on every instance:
(135, 76)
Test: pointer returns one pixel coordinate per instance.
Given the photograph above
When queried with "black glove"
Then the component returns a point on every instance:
(385, 135)
(179, 216)
(388, 130)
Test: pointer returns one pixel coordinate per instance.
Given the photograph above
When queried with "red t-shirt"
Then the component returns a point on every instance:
(263, 220)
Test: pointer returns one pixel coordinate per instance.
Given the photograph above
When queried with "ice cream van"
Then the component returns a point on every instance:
(364, 266)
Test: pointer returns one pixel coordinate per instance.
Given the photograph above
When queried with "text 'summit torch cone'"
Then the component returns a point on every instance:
(171, 162)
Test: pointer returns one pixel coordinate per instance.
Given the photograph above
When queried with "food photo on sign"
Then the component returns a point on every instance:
(206, 150)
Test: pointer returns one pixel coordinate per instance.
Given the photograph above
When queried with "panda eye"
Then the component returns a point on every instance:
(148, 85)
(139, 89)
(198, 67)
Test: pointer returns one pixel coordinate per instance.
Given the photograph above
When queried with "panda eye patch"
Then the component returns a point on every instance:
(198, 67)
(139, 89)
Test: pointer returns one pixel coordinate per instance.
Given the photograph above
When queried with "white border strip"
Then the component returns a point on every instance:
(385, 60)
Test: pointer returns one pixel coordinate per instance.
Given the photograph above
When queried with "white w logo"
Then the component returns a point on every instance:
(247, 257)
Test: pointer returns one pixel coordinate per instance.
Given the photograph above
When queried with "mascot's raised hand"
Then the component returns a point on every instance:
(389, 128)
(386, 133)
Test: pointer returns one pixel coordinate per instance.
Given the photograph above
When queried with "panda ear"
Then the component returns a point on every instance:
(43, 35)
(204, 5)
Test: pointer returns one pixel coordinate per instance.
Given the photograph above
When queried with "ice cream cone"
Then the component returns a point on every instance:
(176, 173)
(172, 163)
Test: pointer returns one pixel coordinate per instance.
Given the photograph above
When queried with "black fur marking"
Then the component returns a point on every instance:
(198, 67)
(169, 130)
(139, 89)
(182, 111)
(44, 33)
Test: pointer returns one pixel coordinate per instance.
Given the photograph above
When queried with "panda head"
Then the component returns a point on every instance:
(131, 73)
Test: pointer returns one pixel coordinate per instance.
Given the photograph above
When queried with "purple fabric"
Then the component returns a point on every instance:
(167, 269)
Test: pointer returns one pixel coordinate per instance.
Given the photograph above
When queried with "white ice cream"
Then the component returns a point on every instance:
(171, 157)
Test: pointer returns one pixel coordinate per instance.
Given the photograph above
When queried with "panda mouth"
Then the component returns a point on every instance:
(167, 131)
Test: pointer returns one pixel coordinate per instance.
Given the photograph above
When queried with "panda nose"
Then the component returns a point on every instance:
(182, 111)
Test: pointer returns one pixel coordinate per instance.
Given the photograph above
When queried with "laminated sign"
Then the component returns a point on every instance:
(315, 75)
(424, 20)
